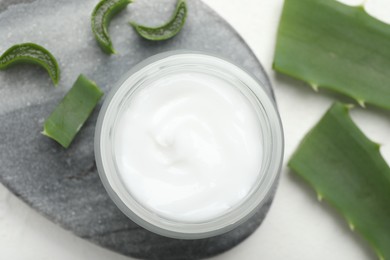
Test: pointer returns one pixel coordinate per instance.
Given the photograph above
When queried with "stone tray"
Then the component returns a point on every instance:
(63, 184)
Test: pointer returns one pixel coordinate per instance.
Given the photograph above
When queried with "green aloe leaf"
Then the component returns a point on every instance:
(337, 47)
(100, 19)
(346, 169)
(31, 53)
(167, 30)
(71, 113)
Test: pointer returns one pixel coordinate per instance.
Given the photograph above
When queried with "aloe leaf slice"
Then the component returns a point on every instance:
(346, 169)
(167, 30)
(31, 53)
(100, 19)
(337, 47)
(69, 116)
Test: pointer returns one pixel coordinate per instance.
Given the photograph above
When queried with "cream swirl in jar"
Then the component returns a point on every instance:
(188, 146)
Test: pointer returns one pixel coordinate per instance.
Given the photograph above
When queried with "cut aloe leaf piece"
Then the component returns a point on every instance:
(167, 30)
(31, 53)
(346, 169)
(100, 19)
(337, 47)
(69, 116)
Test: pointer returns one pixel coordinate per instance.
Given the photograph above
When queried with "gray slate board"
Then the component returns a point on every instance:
(63, 184)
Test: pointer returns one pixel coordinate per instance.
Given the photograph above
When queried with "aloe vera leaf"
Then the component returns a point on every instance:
(69, 116)
(346, 169)
(100, 19)
(167, 30)
(31, 53)
(337, 47)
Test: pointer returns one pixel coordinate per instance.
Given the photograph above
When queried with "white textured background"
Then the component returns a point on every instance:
(297, 226)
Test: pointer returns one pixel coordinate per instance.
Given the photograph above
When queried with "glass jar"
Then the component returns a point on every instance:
(175, 62)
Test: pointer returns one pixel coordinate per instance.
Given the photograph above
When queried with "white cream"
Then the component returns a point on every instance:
(188, 146)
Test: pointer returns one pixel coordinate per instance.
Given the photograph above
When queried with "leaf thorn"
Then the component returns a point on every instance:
(361, 102)
(377, 145)
(314, 86)
(351, 226)
(44, 132)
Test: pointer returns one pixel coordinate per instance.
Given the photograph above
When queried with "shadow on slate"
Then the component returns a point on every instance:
(63, 184)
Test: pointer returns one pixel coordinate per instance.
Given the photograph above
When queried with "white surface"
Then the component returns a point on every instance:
(180, 152)
(297, 227)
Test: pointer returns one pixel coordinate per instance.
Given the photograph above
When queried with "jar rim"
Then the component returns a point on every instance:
(131, 207)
